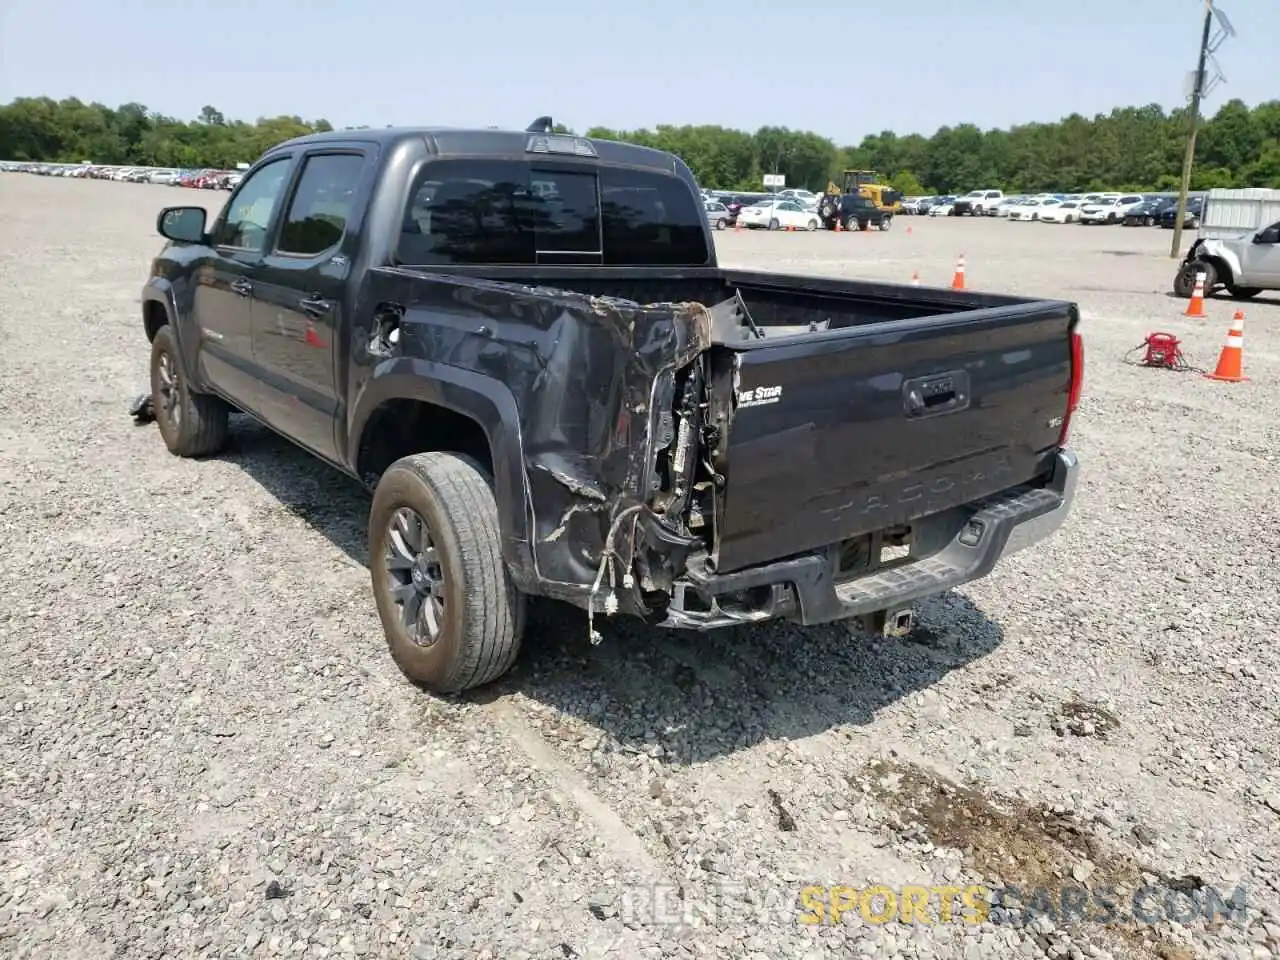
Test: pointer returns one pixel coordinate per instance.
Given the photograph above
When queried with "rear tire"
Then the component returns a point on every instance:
(191, 424)
(773, 224)
(813, 224)
(1244, 293)
(467, 618)
(884, 224)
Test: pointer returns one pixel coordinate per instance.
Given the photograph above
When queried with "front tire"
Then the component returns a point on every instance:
(452, 615)
(884, 224)
(1184, 281)
(191, 424)
(773, 224)
(813, 224)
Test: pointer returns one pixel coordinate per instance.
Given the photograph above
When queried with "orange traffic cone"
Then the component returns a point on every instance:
(908, 230)
(1195, 306)
(839, 226)
(957, 280)
(915, 278)
(1231, 360)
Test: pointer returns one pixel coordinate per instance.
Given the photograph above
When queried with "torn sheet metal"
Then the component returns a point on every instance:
(582, 369)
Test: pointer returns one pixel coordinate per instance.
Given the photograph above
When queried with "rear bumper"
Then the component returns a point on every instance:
(966, 544)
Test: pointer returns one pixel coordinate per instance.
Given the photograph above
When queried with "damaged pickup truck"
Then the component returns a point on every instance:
(522, 344)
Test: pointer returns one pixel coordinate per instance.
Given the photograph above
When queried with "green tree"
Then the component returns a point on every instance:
(1137, 148)
(905, 182)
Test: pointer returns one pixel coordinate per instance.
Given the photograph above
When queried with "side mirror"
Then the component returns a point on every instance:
(1267, 236)
(182, 224)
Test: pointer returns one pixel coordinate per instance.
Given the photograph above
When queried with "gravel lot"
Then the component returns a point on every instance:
(206, 751)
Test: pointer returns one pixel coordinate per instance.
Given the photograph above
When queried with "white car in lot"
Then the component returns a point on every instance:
(1033, 208)
(777, 215)
(942, 209)
(1068, 211)
(1109, 209)
(803, 197)
(1002, 208)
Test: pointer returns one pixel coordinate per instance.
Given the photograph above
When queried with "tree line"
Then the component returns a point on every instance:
(1131, 148)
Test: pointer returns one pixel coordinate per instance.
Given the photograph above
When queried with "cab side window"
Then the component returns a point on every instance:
(466, 212)
(245, 224)
(322, 204)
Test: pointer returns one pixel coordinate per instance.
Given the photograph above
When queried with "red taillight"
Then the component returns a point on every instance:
(1077, 380)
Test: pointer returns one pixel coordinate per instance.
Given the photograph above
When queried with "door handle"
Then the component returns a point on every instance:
(315, 306)
(930, 396)
(242, 286)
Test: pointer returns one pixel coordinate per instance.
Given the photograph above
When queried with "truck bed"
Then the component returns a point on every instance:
(836, 415)
(781, 304)
(860, 409)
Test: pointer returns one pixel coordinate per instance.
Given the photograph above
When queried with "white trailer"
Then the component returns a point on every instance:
(1232, 212)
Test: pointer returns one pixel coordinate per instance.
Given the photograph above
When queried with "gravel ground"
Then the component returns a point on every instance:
(205, 750)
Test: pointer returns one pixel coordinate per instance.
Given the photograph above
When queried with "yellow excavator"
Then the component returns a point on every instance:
(866, 183)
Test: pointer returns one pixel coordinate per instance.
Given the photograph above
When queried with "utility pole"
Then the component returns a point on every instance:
(1196, 93)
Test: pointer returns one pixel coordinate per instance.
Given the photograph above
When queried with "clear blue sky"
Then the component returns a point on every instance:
(909, 67)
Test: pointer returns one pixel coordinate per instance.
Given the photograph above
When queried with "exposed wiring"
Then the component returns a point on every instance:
(607, 556)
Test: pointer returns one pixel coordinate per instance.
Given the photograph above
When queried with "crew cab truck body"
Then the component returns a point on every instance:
(523, 345)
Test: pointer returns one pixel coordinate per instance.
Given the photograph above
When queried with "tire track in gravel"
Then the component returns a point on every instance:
(701, 810)
(618, 838)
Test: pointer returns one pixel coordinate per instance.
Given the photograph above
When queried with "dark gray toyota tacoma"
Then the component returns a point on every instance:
(522, 343)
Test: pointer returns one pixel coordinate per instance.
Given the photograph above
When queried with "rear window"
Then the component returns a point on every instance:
(521, 213)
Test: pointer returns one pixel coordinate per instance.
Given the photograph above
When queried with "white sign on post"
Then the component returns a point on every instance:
(775, 180)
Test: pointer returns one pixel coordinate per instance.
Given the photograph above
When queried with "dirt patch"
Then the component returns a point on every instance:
(1029, 848)
(786, 822)
(996, 683)
(1083, 719)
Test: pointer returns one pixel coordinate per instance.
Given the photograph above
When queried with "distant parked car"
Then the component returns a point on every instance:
(1002, 208)
(1068, 211)
(717, 214)
(1147, 213)
(777, 214)
(928, 203)
(975, 203)
(1030, 209)
(1110, 210)
(943, 207)
(1195, 210)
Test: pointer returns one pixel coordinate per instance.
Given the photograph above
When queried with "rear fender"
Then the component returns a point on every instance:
(574, 394)
(484, 400)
